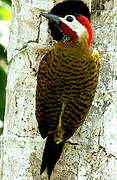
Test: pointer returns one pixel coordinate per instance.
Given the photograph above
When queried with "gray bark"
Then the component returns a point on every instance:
(91, 154)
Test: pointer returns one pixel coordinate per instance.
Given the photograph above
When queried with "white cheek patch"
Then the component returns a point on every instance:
(75, 25)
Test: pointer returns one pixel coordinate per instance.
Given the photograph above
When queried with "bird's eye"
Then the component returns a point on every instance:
(69, 18)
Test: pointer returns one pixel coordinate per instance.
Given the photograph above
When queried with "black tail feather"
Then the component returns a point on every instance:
(51, 155)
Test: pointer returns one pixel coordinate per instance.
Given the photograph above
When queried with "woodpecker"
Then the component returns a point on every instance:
(67, 79)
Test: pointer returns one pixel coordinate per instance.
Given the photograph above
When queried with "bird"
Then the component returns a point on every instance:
(67, 79)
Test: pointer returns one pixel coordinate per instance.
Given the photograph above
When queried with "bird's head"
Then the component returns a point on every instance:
(70, 20)
(72, 27)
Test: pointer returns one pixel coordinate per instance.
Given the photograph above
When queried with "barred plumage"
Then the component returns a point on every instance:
(71, 79)
(66, 85)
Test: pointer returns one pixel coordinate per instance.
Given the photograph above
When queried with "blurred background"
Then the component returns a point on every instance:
(5, 21)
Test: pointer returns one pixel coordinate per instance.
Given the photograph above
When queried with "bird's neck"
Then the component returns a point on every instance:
(77, 41)
(74, 52)
(73, 46)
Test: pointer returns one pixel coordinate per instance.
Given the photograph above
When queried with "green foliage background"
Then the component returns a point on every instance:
(5, 15)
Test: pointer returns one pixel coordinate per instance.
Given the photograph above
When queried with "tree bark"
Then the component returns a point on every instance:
(91, 153)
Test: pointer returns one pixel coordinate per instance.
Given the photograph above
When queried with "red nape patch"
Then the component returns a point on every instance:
(68, 31)
(84, 21)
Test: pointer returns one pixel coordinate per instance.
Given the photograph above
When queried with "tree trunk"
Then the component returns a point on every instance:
(91, 153)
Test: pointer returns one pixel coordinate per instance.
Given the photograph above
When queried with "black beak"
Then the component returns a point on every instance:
(51, 17)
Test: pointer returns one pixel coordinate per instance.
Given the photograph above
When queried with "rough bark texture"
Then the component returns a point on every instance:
(91, 154)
